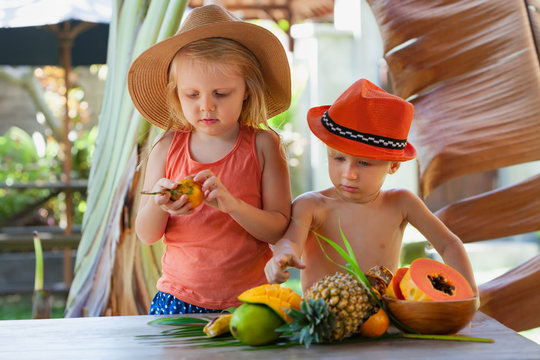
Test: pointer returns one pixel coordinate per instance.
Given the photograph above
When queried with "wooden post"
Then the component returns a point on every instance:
(66, 40)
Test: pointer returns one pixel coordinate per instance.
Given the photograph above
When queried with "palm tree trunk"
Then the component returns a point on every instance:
(108, 279)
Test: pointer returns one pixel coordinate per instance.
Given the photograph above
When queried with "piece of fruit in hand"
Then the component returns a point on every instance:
(187, 187)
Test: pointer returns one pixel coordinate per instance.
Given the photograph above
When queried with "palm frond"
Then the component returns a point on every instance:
(178, 321)
(471, 69)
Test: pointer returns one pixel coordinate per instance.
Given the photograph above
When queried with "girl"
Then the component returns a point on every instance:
(212, 86)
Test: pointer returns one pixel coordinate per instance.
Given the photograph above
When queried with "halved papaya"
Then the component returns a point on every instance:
(430, 280)
(393, 290)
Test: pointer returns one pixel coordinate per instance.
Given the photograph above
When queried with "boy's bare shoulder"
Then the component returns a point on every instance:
(310, 196)
(399, 196)
(311, 200)
(310, 207)
(398, 192)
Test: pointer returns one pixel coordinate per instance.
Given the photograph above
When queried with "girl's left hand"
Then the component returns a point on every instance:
(215, 193)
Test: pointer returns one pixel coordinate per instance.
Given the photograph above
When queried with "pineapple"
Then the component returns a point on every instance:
(334, 308)
(347, 299)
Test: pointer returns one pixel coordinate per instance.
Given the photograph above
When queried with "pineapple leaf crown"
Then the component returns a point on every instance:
(313, 323)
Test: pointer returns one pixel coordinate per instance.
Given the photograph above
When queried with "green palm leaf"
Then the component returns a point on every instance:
(352, 265)
(178, 321)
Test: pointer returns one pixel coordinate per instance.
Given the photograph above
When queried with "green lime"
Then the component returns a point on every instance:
(255, 324)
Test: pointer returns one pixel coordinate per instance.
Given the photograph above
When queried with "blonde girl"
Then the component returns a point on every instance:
(212, 87)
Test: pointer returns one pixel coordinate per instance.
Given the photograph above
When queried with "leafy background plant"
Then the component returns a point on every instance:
(27, 159)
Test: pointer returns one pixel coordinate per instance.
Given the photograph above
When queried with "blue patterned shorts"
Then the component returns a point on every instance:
(164, 304)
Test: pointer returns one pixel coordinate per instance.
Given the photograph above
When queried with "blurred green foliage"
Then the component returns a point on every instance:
(293, 141)
(19, 306)
(27, 159)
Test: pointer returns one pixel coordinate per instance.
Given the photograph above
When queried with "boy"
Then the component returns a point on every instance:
(365, 131)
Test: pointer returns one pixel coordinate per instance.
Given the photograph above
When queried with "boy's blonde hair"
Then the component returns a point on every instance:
(218, 52)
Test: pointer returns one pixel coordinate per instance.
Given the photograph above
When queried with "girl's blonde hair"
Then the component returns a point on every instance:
(219, 52)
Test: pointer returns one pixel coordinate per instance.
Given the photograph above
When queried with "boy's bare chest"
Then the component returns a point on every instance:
(374, 231)
(360, 231)
(358, 221)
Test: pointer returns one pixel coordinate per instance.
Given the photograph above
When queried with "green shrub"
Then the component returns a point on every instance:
(35, 159)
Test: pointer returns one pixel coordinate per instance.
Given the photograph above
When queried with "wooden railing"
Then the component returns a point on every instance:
(20, 238)
(55, 189)
(22, 241)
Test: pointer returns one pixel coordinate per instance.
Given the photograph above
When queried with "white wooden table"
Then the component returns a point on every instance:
(122, 337)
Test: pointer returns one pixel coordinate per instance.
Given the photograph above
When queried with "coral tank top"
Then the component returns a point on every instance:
(209, 258)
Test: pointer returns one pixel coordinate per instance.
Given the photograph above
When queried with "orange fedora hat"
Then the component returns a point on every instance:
(365, 121)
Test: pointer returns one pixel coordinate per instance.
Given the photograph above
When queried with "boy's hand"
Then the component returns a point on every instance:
(276, 267)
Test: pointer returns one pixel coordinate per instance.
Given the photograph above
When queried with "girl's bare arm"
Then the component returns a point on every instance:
(151, 219)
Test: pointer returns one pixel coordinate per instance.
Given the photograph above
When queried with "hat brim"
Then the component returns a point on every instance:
(353, 147)
(148, 75)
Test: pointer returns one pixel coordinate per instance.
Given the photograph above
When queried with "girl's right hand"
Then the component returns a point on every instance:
(276, 267)
(182, 206)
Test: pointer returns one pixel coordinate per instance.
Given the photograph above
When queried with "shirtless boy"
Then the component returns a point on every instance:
(365, 131)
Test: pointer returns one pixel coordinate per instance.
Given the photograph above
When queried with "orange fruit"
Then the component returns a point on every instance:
(187, 187)
(190, 188)
(376, 325)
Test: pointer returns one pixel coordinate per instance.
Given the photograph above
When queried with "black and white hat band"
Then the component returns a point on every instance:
(370, 139)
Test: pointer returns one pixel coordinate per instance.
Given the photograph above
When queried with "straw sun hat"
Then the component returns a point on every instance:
(365, 121)
(148, 75)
